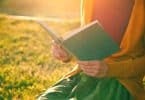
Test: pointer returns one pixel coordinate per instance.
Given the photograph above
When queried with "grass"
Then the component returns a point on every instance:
(27, 67)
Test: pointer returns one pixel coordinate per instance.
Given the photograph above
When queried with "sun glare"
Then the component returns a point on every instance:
(51, 8)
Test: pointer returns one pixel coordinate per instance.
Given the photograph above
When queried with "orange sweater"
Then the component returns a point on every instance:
(128, 65)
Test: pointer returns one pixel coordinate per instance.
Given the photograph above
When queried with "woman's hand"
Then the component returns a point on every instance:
(94, 68)
(59, 53)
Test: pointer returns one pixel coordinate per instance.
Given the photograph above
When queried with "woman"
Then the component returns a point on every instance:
(118, 77)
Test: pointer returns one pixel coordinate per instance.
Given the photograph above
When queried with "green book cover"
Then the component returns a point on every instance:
(90, 42)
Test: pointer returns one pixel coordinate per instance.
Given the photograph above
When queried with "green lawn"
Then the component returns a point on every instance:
(27, 67)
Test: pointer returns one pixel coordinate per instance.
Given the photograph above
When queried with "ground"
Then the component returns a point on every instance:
(27, 67)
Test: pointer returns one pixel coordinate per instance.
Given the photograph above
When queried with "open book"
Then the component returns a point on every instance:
(90, 42)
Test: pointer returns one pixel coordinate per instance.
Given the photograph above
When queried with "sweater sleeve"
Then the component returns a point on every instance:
(126, 69)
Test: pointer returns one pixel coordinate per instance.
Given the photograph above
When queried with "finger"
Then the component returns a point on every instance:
(94, 73)
(87, 70)
(62, 52)
(55, 48)
(88, 62)
(56, 55)
(56, 45)
(83, 62)
(59, 50)
(84, 66)
(89, 73)
(90, 70)
(60, 56)
(92, 67)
